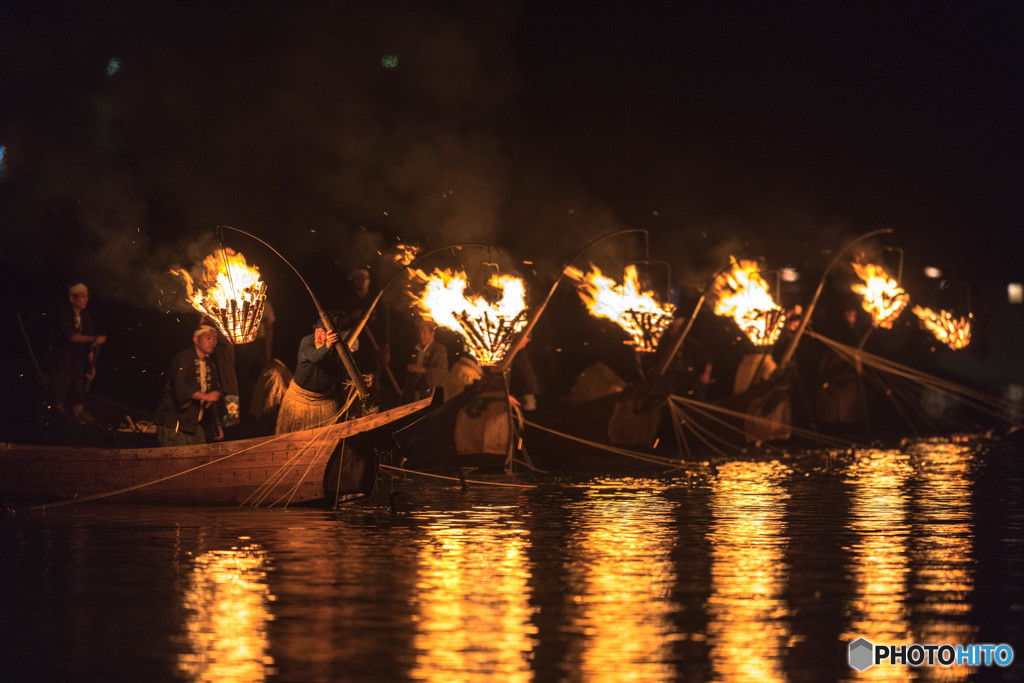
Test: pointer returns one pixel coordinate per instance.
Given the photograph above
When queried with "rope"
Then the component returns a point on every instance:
(664, 462)
(468, 481)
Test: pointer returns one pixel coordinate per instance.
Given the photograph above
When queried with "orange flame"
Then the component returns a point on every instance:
(742, 294)
(953, 332)
(405, 254)
(487, 328)
(638, 313)
(883, 298)
(233, 297)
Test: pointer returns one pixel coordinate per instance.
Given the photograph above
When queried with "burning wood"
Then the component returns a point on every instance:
(884, 299)
(953, 332)
(638, 313)
(234, 294)
(742, 294)
(405, 254)
(487, 328)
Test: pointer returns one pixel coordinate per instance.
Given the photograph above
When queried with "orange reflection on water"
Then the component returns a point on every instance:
(880, 566)
(943, 547)
(623, 572)
(227, 601)
(471, 602)
(748, 628)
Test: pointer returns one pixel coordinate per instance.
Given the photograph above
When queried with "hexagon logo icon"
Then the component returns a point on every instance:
(861, 654)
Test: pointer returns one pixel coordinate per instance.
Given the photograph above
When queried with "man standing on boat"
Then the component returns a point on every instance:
(77, 364)
(312, 398)
(188, 407)
(429, 367)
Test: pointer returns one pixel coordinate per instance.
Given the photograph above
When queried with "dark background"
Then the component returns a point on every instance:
(335, 130)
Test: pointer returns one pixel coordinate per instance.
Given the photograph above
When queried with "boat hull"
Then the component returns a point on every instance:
(270, 470)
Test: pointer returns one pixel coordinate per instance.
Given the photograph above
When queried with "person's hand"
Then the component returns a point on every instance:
(412, 367)
(219, 434)
(99, 339)
(212, 396)
(90, 374)
(332, 339)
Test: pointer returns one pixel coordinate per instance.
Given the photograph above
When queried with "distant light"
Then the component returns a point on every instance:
(3, 154)
(389, 61)
(1015, 293)
(789, 275)
(113, 66)
(932, 272)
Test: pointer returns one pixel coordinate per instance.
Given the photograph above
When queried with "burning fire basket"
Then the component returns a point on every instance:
(487, 328)
(638, 313)
(234, 294)
(742, 294)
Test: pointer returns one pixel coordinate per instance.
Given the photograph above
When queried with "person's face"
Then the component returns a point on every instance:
(424, 335)
(361, 282)
(79, 300)
(206, 342)
(320, 336)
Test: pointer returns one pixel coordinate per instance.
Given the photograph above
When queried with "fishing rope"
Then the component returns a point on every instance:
(701, 407)
(980, 401)
(468, 481)
(657, 460)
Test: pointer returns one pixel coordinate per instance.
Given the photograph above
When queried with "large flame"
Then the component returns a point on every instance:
(953, 332)
(233, 297)
(638, 313)
(486, 327)
(883, 298)
(742, 294)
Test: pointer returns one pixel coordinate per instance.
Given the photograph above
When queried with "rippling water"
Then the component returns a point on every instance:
(757, 571)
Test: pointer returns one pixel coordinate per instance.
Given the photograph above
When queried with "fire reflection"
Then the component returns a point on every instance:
(624, 574)
(748, 627)
(228, 613)
(943, 547)
(880, 566)
(473, 617)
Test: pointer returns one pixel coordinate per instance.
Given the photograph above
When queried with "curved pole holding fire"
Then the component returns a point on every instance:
(506, 362)
(343, 351)
(666, 359)
(788, 356)
(355, 331)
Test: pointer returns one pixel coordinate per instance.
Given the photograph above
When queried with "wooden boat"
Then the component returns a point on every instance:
(324, 464)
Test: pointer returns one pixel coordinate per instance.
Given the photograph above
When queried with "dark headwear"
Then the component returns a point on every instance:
(335, 322)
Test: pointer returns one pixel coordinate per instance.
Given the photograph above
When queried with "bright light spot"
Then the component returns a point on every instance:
(113, 66)
(1015, 292)
(389, 61)
(789, 275)
(3, 157)
(932, 272)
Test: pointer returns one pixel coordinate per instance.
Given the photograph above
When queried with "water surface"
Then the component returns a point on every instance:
(752, 571)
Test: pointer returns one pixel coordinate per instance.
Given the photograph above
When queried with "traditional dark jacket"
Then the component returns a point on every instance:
(434, 359)
(318, 370)
(177, 409)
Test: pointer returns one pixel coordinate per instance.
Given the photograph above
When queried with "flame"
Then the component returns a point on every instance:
(487, 328)
(953, 332)
(883, 298)
(405, 254)
(743, 295)
(233, 297)
(638, 313)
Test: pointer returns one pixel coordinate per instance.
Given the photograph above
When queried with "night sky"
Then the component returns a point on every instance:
(336, 129)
